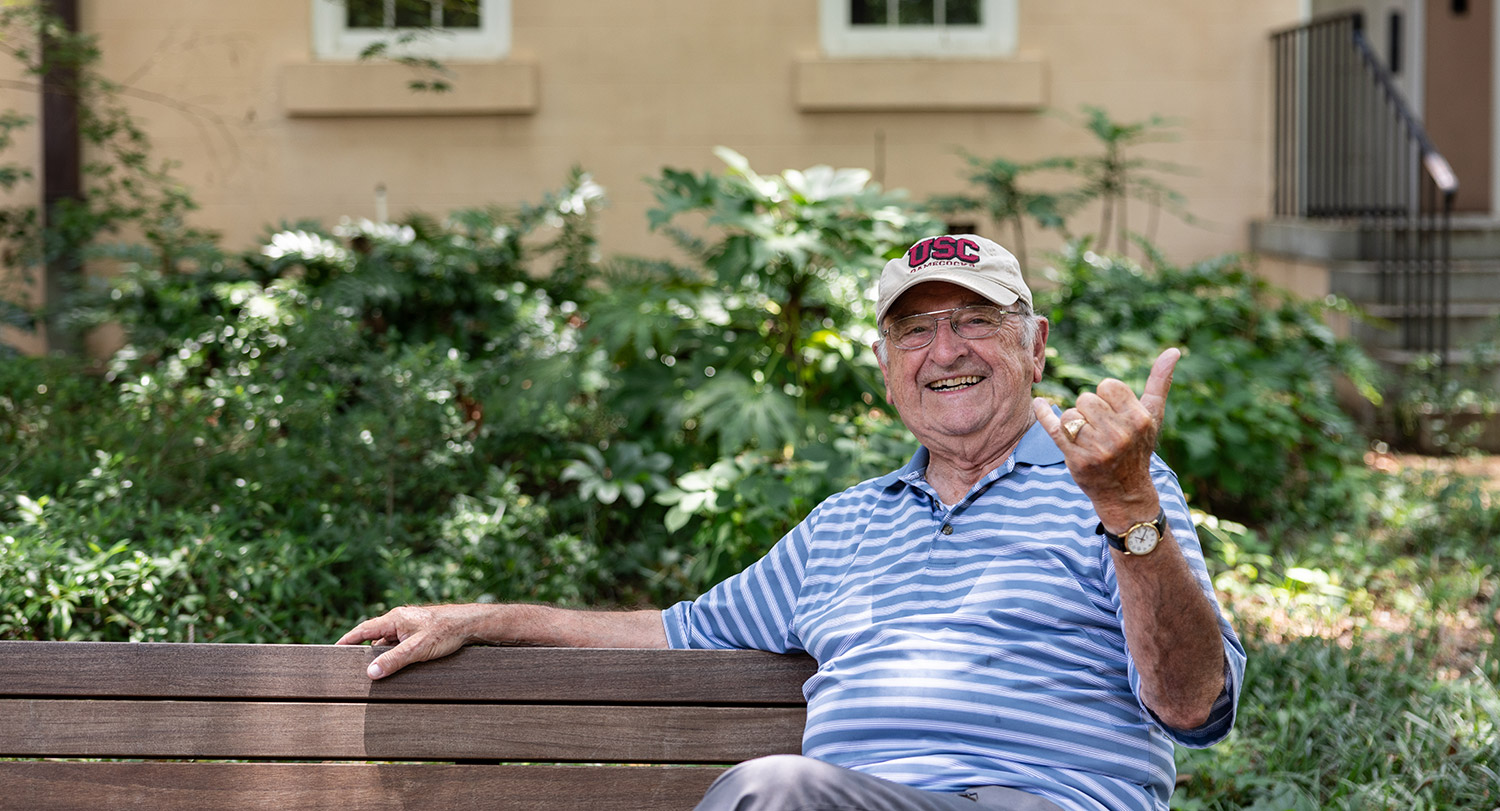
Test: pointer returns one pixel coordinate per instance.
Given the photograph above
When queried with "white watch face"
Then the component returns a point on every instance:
(1141, 539)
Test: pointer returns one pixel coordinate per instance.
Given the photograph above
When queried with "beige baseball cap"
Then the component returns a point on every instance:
(966, 260)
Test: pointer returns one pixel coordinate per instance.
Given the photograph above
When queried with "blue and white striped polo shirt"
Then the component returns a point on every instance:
(974, 645)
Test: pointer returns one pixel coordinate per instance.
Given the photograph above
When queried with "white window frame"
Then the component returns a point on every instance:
(333, 40)
(994, 36)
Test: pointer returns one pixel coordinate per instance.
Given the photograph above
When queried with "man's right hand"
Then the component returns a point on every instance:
(419, 633)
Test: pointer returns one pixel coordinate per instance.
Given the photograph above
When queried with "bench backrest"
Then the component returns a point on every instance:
(300, 726)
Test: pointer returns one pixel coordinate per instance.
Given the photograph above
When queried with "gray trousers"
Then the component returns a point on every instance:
(797, 783)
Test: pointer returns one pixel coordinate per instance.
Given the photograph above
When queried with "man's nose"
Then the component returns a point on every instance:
(946, 343)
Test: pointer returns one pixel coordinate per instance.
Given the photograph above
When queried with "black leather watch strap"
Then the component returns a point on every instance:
(1118, 541)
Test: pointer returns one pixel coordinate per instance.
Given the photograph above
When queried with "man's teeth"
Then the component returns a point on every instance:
(954, 383)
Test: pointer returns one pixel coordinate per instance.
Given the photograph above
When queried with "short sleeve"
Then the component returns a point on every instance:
(754, 609)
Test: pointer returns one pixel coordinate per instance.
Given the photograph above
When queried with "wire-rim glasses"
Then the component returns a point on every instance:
(971, 323)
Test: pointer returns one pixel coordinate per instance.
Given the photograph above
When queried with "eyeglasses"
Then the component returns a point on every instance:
(971, 323)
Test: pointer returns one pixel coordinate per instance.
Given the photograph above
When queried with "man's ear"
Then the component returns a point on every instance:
(1039, 350)
(884, 373)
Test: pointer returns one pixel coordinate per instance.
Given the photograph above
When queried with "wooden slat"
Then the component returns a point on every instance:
(58, 786)
(332, 672)
(397, 731)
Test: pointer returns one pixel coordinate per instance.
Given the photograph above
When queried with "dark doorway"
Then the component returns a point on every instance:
(1458, 94)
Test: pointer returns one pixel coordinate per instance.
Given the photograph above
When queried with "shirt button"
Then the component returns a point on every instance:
(947, 529)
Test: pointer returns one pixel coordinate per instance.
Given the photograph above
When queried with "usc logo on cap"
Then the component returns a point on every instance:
(939, 249)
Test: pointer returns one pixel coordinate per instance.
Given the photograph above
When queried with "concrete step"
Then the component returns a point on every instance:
(1396, 360)
(1313, 240)
(1348, 252)
(1470, 280)
(1465, 310)
(1473, 238)
(1473, 303)
(1387, 333)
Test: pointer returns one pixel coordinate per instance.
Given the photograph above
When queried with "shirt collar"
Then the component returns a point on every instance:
(1035, 448)
(910, 472)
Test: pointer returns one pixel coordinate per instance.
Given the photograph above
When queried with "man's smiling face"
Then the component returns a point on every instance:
(957, 395)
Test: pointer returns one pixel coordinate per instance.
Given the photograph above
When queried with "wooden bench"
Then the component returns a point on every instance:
(211, 726)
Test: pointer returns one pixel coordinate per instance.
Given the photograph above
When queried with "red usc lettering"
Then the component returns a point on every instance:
(939, 249)
(917, 255)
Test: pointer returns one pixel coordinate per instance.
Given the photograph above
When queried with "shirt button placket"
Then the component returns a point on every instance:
(940, 554)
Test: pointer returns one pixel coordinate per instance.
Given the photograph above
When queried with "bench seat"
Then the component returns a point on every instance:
(202, 726)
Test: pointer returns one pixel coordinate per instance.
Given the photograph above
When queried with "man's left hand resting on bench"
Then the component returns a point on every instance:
(420, 633)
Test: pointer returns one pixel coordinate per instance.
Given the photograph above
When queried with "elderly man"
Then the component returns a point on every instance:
(1020, 618)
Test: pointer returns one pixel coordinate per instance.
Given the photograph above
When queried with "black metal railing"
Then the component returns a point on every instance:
(1347, 147)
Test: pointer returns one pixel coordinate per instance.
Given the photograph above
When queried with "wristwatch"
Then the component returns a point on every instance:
(1139, 539)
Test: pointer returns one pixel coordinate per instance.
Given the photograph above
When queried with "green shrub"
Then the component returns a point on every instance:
(302, 435)
(1374, 661)
(752, 369)
(101, 560)
(345, 419)
(496, 544)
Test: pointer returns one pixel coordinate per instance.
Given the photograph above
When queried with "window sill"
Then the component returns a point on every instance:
(344, 89)
(950, 85)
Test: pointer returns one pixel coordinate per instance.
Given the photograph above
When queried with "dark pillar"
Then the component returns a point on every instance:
(61, 174)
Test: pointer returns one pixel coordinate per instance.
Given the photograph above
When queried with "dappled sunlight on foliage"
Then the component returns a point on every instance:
(753, 367)
(300, 435)
(1374, 662)
(343, 419)
(1407, 571)
(480, 407)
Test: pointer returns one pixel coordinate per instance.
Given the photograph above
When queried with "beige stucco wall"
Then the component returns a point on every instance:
(18, 93)
(623, 87)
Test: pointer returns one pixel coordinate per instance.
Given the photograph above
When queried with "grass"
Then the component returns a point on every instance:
(1362, 727)
(1374, 665)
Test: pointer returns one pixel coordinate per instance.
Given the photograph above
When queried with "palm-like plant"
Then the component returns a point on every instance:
(1004, 199)
(1113, 178)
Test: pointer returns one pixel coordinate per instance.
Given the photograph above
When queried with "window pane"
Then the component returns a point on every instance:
(867, 12)
(365, 13)
(963, 12)
(413, 13)
(460, 13)
(915, 12)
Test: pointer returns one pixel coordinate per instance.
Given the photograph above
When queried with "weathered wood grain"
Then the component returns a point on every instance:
(506, 728)
(64, 786)
(399, 731)
(301, 672)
